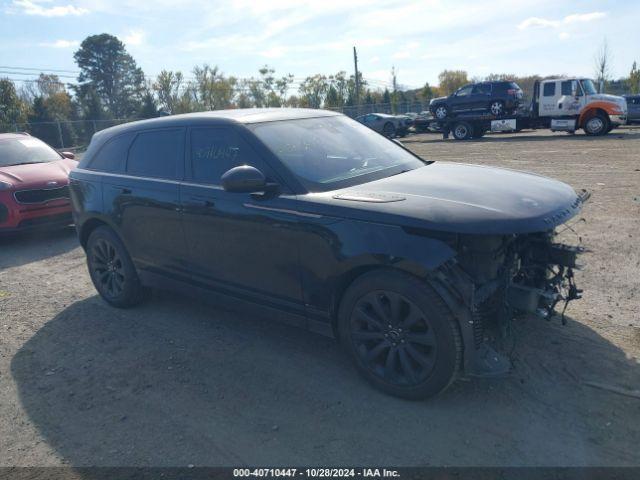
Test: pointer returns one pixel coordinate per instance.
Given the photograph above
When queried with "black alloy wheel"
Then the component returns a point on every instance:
(393, 338)
(107, 268)
(389, 130)
(112, 271)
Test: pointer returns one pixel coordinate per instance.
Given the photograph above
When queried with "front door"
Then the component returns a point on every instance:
(461, 101)
(241, 244)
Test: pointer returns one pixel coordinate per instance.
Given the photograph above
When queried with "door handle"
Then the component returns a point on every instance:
(199, 202)
(123, 190)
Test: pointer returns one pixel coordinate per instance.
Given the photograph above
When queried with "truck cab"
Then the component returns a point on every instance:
(572, 103)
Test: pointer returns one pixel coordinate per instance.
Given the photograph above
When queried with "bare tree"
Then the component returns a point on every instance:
(603, 59)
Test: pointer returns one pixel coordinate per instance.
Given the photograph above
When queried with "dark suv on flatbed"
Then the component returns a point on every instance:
(410, 263)
(497, 98)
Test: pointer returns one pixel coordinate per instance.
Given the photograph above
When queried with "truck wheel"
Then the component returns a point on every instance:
(388, 130)
(462, 131)
(596, 125)
(400, 334)
(496, 108)
(441, 112)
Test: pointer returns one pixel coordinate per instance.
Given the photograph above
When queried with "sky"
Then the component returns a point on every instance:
(418, 39)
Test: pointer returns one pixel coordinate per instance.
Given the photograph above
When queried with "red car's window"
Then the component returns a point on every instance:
(20, 151)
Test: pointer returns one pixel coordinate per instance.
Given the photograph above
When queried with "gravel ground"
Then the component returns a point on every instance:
(177, 382)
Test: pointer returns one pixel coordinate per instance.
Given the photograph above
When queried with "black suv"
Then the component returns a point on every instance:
(497, 98)
(336, 228)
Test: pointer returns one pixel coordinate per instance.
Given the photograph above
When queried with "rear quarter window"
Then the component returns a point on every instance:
(156, 153)
(112, 157)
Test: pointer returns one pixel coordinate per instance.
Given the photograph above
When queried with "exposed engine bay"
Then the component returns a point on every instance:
(497, 278)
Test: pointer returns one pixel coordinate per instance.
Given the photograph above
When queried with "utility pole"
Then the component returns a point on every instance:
(393, 95)
(355, 64)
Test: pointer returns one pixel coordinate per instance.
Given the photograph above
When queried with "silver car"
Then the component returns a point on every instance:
(388, 125)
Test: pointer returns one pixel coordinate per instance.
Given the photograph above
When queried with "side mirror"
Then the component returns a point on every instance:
(69, 155)
(244, 179)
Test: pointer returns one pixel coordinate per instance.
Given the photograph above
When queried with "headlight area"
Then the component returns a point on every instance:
(497, 278)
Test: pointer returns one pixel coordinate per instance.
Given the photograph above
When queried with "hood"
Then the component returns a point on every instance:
(464, 198)
(37, 174)
(438, 99)
(605, 97)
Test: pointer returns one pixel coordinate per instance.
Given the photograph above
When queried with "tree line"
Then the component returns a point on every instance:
(111, 87)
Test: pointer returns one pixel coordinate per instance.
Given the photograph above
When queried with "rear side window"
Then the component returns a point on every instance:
(112, 157)
(482, 88)
(216, 150)
(157, 153)
(549, 89)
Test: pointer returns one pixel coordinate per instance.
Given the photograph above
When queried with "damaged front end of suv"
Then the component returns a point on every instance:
(496, 278)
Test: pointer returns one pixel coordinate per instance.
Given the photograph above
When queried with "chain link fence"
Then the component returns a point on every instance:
(76, 134)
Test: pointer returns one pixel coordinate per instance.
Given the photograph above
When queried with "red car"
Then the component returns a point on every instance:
(34, 184)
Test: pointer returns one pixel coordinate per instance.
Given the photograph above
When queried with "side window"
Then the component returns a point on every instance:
(565, 87)
(157, 153)
(482, 89)
(112, 157)
(464, 91)
(216, 150)
(549, 89)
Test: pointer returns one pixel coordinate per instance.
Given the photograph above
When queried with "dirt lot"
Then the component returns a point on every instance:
(176, 382)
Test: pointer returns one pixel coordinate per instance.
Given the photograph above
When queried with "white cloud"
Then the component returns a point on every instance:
(402, 54)
(134, 37)
(61, 44)
(533, 22)
(42, 8)
(563, 35)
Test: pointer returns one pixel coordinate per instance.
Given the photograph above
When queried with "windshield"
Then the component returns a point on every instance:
(588, 87)
(327, 153)
(19, 151)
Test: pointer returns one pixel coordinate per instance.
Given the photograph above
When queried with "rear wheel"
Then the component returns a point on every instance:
(496, 108)
(462, 131)
(596, 125)
(389, 130)
(400, 334)
(441, 112)
(111, 269)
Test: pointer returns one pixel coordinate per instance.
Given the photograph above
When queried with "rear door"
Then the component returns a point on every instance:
(550, 99)
(480, 97)
(144, 199)
(238, 243)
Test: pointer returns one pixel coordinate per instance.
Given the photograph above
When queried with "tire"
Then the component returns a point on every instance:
(462, 131)
(389, 130)
(112, 272)
(417, 363)
(497, 108)
(441, 112)
(596, 125)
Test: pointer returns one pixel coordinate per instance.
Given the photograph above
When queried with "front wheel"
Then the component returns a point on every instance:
(388, 130)
(596, 125)
(441, 112)
(111, 269)
(400, 334)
